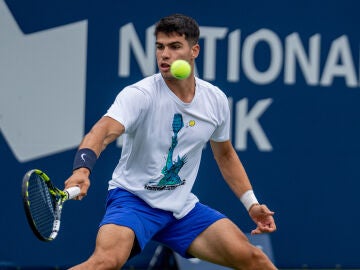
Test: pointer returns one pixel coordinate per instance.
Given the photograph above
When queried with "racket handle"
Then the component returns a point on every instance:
(72, 192)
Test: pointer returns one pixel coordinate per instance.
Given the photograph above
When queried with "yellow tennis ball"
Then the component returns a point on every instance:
(180, 69)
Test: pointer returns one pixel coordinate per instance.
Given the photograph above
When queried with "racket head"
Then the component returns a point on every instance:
(42, 204)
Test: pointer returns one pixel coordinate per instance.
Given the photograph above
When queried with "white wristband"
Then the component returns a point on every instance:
(248, 199)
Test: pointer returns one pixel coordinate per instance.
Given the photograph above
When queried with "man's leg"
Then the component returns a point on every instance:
(113, 246)
(223, 243)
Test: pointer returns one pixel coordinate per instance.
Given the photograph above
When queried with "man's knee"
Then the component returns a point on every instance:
(105, 262)
(256, 260)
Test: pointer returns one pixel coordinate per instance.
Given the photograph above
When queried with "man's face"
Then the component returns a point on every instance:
(172, 47)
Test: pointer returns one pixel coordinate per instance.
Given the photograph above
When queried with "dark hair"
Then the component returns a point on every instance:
(181, 24)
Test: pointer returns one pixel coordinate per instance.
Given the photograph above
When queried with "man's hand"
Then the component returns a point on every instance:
(80, 178)
(263, 218)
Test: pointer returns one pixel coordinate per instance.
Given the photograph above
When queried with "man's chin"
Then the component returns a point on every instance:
(167, 77)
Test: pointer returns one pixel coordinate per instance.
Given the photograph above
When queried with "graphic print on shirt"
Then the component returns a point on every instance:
(170, 171)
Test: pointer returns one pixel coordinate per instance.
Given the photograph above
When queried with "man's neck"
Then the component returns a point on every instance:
(183, 89)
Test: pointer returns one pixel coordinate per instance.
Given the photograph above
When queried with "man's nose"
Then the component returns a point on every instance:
(165, 53)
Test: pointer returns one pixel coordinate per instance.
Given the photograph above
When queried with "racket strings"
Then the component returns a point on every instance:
(42, 205)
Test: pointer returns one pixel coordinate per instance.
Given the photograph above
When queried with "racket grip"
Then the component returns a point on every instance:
(72, 192)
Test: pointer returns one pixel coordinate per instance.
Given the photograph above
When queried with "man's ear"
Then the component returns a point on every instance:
(195, 50)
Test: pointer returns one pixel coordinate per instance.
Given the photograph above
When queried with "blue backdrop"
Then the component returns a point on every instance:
(290, 70)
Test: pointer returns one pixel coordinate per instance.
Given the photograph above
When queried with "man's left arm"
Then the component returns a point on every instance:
(235, 176)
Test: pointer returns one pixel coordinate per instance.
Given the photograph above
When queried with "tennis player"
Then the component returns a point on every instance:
(165, 123)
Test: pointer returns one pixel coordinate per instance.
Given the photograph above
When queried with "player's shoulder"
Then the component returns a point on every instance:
(208, 88)
(146, 87)
(148, 83)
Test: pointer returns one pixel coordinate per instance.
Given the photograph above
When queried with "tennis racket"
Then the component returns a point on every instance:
(43, 203)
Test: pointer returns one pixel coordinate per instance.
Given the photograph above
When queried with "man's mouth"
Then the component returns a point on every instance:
(164, 66)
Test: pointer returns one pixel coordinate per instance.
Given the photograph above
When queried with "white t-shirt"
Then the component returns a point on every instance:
(164, 138)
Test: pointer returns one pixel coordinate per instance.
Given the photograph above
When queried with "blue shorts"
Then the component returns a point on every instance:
(126, 209)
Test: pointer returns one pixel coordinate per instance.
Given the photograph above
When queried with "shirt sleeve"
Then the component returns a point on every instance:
(129, 107)
(222, 132)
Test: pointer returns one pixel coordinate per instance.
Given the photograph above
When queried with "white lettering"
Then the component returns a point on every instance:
(291, 57)
(248, 122)
(210, 35)
(129, 40)
(294, 50)
(256, 76)
(339, 63)
(233, 67)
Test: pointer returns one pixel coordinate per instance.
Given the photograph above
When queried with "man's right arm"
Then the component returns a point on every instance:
(104, 132)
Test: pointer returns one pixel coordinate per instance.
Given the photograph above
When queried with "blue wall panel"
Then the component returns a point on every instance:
(291, 71)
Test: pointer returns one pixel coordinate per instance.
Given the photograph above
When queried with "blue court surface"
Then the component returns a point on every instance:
(159, 257)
